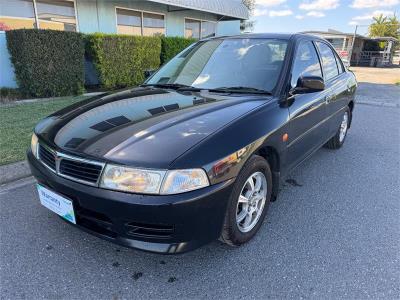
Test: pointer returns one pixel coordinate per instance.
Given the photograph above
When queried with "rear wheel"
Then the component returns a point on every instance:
(338, 140)
(248, 203)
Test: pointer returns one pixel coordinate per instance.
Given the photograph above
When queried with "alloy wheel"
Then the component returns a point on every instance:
(251, 202)
(343, 127)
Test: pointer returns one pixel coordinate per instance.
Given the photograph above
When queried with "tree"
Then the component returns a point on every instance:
(394, 23)
(250, 4)
(247, 25)
(384, 26)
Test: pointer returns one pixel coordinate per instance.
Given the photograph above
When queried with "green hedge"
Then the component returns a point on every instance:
(50, 63)
(121, 60)
(171, 46)
(47, 63)
(10, 94)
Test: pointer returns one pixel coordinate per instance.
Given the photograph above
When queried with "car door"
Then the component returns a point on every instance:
(307, 127)
(336, 84)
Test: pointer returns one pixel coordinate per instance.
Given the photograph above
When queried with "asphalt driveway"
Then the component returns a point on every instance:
(333, 233)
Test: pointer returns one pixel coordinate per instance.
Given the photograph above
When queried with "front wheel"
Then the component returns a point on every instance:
(338, 140)
(248, 203)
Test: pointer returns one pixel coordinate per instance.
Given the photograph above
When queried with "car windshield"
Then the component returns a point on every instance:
(234, 64)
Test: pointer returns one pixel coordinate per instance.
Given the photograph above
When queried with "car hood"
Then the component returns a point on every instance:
(143, 127)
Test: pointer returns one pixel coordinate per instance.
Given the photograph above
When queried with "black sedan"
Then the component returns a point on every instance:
(198, 152)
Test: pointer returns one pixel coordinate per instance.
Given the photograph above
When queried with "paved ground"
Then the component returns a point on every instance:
(14, 171)
(334, 235)
(387, 95)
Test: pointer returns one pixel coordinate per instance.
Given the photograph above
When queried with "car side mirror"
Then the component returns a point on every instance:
(309, 84)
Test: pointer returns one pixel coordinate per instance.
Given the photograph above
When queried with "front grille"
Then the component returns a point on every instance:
(48, 158)
(149, 230)
(80, 170)
(71, 167)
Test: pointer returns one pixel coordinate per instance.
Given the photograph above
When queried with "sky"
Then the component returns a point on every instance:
(303, 15)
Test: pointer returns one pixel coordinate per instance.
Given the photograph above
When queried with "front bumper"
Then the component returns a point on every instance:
(156, 223)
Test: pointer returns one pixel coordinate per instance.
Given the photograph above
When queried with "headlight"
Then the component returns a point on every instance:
(34, 145)
(180, 181)
(152, 181)
(132, 180)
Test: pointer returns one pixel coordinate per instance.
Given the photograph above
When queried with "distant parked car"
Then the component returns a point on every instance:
(197, 152)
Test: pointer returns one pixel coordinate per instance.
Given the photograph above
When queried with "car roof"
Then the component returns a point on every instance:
(281, 36)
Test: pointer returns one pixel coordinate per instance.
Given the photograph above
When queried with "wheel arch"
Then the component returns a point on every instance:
(271, 155)
(351, 107)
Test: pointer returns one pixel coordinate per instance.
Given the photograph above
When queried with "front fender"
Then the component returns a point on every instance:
(223, 154)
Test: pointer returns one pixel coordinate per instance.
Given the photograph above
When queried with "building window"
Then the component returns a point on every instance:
(134, 22)
(337, 43)
(129, 22)
(51, 14)
(199, 29)
(56, 15)
(153, 24)
(208, 29)
(192, 28)
(16, 14)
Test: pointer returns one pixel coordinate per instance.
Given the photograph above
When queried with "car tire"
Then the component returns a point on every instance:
(235, 232)
(338, 139)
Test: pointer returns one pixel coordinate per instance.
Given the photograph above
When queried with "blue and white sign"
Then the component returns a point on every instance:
(56, 203)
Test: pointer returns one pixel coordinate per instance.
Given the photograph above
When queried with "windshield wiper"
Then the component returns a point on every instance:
(244, 90)
(167, 85)
(234, 89)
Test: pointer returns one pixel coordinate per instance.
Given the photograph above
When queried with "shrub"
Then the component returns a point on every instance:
(10, 94)
(121, 60)
(171, 46)
(47, 63)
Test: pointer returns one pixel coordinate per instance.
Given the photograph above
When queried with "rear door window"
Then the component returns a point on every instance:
(328, 61)
(339, 64)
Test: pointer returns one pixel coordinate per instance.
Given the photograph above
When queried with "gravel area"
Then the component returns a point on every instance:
(377, 75)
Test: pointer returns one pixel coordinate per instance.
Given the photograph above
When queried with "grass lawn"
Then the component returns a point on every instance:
(17, 122)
